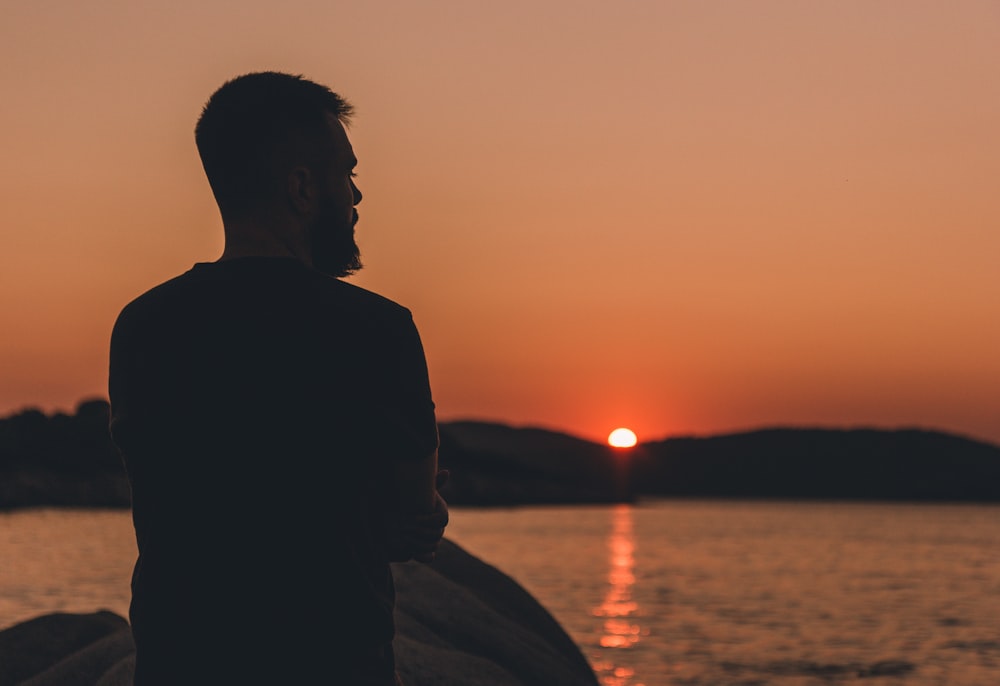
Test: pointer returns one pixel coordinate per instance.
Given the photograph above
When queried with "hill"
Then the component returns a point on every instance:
(69, 460)
(866, 464)
(496, 464)
(788, 463)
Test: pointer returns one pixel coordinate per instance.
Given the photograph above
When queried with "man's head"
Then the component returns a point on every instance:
(274, 144)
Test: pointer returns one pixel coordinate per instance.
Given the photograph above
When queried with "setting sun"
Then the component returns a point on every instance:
(622, 438)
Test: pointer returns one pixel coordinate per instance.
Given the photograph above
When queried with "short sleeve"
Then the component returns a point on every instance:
(400, 395)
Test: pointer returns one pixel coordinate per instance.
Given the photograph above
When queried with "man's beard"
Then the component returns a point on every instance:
(333, 249)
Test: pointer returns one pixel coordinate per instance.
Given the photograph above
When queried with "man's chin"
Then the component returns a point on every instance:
(341, 263)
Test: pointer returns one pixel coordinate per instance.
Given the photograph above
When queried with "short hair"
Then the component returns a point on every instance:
(252, 125)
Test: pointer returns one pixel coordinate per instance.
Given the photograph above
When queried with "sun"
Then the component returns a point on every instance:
(622, 438)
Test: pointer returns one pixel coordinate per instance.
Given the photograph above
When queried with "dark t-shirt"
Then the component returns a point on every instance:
(257, 404)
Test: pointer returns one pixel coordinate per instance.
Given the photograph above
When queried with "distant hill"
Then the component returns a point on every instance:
(789, 463)
(868, 464)
(69, 460)
(495, 464)
(60, 459)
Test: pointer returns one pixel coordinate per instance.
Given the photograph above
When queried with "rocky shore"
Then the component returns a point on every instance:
(461, 622)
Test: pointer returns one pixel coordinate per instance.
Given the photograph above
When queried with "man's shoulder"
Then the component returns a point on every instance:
(155, 297)
(366, 299)
(191, 288)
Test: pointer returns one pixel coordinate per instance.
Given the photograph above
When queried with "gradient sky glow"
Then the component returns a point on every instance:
(679, 217)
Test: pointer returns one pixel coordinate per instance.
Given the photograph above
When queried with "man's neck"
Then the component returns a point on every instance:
(250, 240)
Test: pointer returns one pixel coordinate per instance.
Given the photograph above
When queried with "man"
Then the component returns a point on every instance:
(276, 422)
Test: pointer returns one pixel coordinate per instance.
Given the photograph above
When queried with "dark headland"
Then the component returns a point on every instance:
(69, 460)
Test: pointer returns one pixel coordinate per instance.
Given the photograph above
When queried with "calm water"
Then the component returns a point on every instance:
(664, 593)
(762, 593)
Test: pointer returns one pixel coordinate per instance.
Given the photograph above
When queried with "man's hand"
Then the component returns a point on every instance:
(416, 536)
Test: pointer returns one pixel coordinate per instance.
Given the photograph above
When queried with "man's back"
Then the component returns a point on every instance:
(257, 403)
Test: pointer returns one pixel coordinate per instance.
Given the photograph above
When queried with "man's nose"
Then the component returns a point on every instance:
(357, 193)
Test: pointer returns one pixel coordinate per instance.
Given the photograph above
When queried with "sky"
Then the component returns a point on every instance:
(680, 217)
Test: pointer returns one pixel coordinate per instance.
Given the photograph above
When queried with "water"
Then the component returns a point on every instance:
(761, 593)
(55, 560)
(666, 593)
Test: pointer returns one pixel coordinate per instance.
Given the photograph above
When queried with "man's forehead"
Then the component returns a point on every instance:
(342, 144)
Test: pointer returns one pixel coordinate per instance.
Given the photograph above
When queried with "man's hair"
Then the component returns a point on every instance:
(254, 127)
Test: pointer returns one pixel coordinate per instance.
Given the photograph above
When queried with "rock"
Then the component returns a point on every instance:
(88, 666)
(31, 647)
(460, 622)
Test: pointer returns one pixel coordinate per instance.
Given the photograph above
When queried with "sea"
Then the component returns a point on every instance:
(665, 592)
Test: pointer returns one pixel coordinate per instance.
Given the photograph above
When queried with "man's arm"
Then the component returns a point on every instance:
(417, 527)
(417, 514)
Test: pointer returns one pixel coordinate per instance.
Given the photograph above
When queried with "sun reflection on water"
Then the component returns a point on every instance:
(619, 609)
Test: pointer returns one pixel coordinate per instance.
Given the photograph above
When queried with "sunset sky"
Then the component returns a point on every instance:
(679, 217)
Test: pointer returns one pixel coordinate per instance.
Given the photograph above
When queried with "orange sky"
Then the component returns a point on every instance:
(681, 217)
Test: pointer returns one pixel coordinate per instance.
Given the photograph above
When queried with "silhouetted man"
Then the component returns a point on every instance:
(275, 421)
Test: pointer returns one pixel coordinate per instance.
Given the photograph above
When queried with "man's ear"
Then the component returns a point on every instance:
(301, 190)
